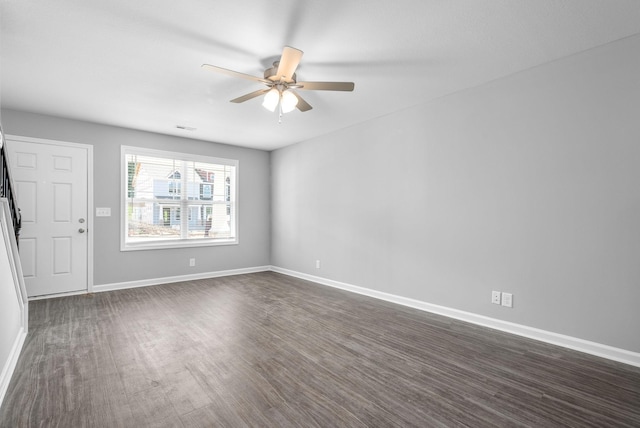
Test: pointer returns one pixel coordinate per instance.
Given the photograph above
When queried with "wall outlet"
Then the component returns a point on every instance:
(507, 300)
(192, 262)
(495, 297)
(317, 264)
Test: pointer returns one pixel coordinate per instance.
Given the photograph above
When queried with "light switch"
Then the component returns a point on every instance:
(103, 212)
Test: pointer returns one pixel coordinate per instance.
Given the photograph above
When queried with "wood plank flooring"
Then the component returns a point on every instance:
(269, 350)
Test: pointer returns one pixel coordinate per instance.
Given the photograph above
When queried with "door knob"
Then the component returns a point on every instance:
(81, 230)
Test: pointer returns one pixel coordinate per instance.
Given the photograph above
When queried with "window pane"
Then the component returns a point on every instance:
(210, 221)
(198, 225)
(149, 220)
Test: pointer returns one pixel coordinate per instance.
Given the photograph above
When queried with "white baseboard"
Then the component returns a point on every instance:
(593, 348)
(12, 361)
(179, 278)
(53, 296)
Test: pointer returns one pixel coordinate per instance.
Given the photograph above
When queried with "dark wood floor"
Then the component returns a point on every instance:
(272, 351)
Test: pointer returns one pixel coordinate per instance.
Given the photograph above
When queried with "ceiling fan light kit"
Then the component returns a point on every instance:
(275, 96)
(280, 80)
(271, 100)
(288, 101)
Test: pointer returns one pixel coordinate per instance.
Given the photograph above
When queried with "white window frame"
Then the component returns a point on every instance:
(157, 244)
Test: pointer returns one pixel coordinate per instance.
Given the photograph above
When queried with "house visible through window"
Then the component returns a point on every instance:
(159, 186)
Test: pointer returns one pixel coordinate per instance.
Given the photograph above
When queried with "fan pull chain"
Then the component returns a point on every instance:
(280, 114)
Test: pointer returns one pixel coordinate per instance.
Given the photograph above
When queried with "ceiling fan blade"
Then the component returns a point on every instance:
(234, 73)
(302, 104)
(326, 86)
(288, 63)
(250, 96)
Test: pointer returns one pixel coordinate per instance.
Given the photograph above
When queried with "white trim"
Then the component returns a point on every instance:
(166, 244)
(12, 362)
(15, 263)
(56, 295)
(91, 211)
(8, 235)
(588, 347)
(90, 207)
(179, 278)
(47, 141)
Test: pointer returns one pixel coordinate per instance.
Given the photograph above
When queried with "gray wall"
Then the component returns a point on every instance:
(113, 266)
(529, 184)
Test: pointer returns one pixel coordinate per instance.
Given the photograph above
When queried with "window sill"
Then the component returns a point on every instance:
(182, 243)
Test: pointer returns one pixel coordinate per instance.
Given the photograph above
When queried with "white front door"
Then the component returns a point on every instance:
(51, 184)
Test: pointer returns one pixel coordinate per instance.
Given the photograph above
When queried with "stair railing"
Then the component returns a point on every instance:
(7, 190)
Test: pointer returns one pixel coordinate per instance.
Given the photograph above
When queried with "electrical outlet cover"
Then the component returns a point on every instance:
(495, 297)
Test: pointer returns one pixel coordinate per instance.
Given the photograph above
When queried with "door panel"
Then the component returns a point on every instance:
(61, 256)
(28, 191)
(51, 188)
(62, 202)
(28, 256)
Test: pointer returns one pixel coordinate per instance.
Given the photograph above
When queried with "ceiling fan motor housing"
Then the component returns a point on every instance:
(272, 74)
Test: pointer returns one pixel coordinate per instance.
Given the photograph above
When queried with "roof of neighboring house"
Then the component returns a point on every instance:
(204, 175)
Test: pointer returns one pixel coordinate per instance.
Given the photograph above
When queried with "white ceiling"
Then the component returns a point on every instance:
(137, 63)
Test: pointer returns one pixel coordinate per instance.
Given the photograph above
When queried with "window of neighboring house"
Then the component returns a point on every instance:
(159, 186)
(206, 191)
(174, 188)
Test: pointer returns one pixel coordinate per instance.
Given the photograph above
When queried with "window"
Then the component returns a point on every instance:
(175, 188)
(159, 186)
(206, 191)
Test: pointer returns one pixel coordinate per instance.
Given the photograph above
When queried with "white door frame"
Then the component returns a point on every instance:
(90, 208)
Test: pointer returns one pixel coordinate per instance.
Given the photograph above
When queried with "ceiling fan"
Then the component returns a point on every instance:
(280, 80)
